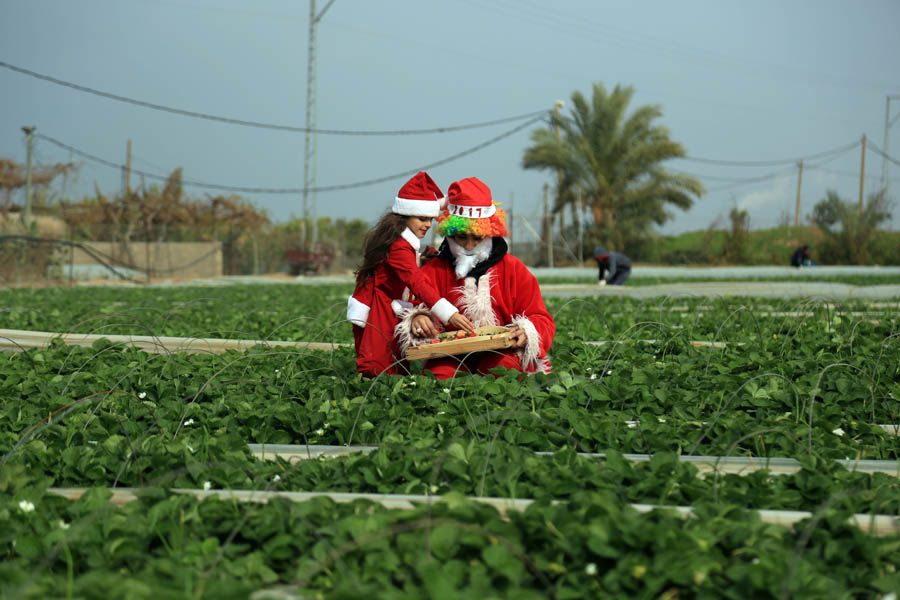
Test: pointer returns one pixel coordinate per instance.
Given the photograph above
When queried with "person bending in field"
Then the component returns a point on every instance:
(491, 287)
(389, 272)
(617, 265)
(800, 257)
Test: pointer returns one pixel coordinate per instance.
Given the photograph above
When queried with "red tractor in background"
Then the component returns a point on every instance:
(314, 262)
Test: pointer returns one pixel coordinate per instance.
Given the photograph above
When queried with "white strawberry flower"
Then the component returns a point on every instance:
(142, 395)
(838, 432)
(593, 376)
(277, 478)
(63, 524)
(207, 485)
(189, 422)
(26, 506)
(320, 432)
(434, 489)
(590, 569)
(446, 390)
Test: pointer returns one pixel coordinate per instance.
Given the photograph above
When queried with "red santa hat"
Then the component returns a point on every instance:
(471, 209)
(419, 197)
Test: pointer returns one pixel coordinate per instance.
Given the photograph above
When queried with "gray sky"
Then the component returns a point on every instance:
(736, 80)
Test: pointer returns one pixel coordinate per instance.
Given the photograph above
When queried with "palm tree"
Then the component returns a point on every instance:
(614, 163)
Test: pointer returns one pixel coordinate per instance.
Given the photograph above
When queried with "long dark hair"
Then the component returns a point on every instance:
(377, 243)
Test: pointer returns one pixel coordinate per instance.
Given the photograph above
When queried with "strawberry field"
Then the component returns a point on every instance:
(681, 448)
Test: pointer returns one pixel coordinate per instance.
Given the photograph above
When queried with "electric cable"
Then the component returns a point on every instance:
(327, 188)
(881, 153)
(769, 163)
(245, 123)
(869, 178)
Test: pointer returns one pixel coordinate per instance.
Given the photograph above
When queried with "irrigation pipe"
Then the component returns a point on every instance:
(723, 464)
(878, 525)
(14, 340)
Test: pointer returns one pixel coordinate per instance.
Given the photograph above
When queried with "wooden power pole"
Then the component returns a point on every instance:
(556, 106)
(547, 227)
(512, 223)
(862, 174)
(128, 168)
(29, 138)
(799, 184)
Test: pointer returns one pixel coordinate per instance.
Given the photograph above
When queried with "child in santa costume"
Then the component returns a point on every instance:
(491, 287)
(390, 272)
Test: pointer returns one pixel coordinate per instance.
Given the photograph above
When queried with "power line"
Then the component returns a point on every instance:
(881, 153)
(328, 188)
(769, 163)
(870, 178)
(257, 124)
(749, 180)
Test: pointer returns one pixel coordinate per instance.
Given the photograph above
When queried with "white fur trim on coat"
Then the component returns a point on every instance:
(357, 312)
(529, 355)
(410, 237)
(403, 329)
(476, 302)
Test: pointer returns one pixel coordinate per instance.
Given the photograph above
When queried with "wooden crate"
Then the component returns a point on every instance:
(491, 337)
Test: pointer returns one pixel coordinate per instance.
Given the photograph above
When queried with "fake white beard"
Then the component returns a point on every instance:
(467, 259)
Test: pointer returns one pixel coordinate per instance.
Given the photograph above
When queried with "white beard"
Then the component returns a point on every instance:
(467, 259)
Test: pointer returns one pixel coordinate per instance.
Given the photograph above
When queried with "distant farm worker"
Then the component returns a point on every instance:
(476, 273)
(390, 272)
(617, 265)
(800, 257)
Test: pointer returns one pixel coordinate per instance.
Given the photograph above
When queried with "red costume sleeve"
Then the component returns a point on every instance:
(402, 259)
(529, 303)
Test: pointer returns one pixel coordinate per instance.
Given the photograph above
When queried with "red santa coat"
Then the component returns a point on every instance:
(507, 294)
(371, 312)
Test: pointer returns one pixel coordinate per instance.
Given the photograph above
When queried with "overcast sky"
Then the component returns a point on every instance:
(743, 81)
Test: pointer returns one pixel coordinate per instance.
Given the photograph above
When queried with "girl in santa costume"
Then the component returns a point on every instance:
(390, 272)
(474, 271)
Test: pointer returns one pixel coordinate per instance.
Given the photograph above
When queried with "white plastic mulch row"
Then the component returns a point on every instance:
(878, 525)
(15, 340)
(738, 465)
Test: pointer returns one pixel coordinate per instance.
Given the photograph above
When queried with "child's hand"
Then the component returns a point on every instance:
(459, 321)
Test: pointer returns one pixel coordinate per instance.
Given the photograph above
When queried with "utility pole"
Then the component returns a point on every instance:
(548, 226)
(580, 228)
(128, 168)
(862, 174)
(556, 106)
(309, 167)
(799, 183)
(888, 122)
(512, 223)
(29, 138)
